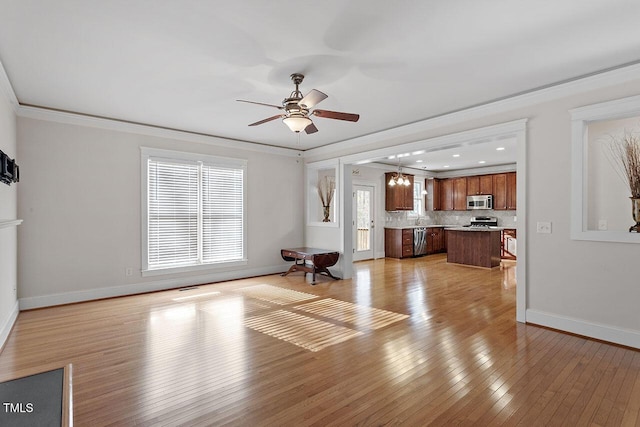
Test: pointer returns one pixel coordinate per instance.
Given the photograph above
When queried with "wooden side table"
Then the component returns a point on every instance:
(320, 260)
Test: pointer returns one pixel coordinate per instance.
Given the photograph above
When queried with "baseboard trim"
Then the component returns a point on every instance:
(7, 325)
(140, 288)
(626, 337)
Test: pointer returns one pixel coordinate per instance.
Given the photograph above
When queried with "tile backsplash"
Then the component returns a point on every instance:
(400, 219)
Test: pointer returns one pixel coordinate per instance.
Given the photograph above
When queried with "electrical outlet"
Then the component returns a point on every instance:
(543, 227)
(128, 271)
(602, 225)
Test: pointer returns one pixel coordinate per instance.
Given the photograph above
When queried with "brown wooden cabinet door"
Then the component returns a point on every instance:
(500, 191)
(486, 184)
(435, 197)
(446, 194)
(407, 198)
(460, 194)
(504, 191)
(438, 239)
(473, 185)
(511, 191)
(432, 185)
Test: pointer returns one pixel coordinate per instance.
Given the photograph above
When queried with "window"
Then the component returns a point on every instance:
(194, 211)
(417, 198)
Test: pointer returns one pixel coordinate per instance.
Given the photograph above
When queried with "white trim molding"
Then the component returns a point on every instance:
(580, 119)
(598, 331)
(148, 130)
(8, 323)
(7, 88)
(559, 90)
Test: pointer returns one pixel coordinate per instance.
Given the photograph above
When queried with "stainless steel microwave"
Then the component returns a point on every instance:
(480, 202)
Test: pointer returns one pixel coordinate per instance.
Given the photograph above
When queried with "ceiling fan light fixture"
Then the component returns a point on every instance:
(297, 124)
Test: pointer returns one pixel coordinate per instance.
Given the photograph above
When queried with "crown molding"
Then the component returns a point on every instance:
(8, 89)
(564, 89)
(65, 117)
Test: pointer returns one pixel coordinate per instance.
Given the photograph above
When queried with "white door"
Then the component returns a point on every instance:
(363, 224)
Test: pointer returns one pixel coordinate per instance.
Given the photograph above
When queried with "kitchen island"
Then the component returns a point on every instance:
(477, 246)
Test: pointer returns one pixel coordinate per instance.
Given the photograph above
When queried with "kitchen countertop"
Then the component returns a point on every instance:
(400, 227)
(458, 228)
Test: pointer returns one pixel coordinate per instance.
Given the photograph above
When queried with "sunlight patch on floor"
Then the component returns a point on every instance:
(303, 331)
(275, 294)
(361, 316)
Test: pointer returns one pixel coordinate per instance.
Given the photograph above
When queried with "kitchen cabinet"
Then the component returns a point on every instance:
(504, 191)
(398, 242)
(433, 192)
(474, 247)
(460, 194)
(398, 197)
(446, 194)
(479, 185)
(435, 240)
(453, 194)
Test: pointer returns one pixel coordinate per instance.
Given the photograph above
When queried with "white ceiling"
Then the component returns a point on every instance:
(475, 155)
(182, 65)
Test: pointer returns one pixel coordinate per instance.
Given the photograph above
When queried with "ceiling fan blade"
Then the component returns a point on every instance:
(279, 107)
(312, 98)
(268, 120)
(349, 117)
(311, 129)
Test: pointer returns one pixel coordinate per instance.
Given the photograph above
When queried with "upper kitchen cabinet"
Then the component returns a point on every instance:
(504, 191)
(479, 185)
(460, 194)
(432, 185)
(453, 194)
(398, 197)
(446, 194)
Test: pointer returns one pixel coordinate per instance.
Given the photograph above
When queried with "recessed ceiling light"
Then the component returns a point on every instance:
(418, 161)
(445, 166)
(456, 155)
(500, 149)
(482, 162)
(415, 153)
(391, 157)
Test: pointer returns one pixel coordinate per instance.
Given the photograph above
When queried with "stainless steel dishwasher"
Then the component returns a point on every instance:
(419, 241)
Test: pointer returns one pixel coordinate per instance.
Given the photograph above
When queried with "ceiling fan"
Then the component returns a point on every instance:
(297, 109)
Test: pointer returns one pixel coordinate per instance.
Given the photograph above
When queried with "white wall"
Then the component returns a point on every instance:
(589, 288)
(607, 189)
(80, 199)
(8, 209)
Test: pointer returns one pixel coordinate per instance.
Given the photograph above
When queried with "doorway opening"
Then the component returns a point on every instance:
(363, 222)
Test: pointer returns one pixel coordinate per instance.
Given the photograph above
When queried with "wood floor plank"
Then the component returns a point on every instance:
(425, 343)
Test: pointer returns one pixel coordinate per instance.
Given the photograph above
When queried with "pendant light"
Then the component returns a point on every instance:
(398, 178)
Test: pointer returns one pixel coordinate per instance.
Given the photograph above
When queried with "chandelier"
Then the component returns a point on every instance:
(398, 178)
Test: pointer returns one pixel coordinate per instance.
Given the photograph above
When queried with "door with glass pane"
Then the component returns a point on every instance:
(363, 208)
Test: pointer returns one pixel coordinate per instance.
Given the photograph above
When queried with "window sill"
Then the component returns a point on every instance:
(192, 268)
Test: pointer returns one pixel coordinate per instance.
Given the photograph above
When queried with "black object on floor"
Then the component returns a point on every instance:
(35, 400)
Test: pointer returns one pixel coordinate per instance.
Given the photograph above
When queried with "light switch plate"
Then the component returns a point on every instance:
(543, 227)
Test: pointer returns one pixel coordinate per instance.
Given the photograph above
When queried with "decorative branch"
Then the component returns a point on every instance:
(624, 153)
(326, 189)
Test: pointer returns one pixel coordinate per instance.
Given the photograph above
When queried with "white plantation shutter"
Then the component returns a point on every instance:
(195, 211)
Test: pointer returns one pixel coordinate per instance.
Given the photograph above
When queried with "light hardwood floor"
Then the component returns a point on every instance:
(412, 342)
